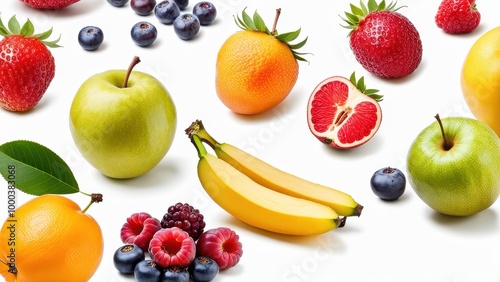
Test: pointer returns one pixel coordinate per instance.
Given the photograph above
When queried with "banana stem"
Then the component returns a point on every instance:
(195, 139)
(198, 129)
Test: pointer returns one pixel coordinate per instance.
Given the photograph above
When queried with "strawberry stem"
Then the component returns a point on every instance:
(134, 62)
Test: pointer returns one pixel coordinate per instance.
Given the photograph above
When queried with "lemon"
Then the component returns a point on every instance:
(480, 79)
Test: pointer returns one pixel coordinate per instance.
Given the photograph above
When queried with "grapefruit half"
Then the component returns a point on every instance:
(342, 113)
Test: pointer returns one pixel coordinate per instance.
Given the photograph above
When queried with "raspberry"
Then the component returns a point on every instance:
(185, 217)
(222, 245)
(139, 229)
(172, 247)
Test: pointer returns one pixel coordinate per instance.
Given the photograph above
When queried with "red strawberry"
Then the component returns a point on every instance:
(49, 4)
(384, 42)
(27, 67)
(457, 16)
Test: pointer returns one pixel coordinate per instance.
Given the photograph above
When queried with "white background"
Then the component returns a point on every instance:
(391, 241)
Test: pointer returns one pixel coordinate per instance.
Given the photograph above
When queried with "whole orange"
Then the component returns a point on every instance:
(480, 79)
(255, 69)
(50, 239)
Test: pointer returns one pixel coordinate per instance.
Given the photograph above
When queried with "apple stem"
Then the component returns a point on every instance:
(134, 62)
(446, 145)
(273, 30)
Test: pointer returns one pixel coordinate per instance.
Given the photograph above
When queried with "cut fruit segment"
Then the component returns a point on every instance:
(342, 113)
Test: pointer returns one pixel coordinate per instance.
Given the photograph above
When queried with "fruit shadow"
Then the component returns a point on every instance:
(373, 146)
(159, 177)
(287, 106)
(480, 223)
(331, 238)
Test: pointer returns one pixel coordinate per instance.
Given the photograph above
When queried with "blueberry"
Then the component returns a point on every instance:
(205, 11)
(127, 257)
(182, 4)
(143, 7)
(175, 274)
(167, 11)
(90, 38)
(388, 183)
(117, 3)
(147, 271)
(203, 269)
(186, 26)
(143, 33)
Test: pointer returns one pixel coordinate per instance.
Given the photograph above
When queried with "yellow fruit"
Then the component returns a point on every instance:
(257, 205)
(261, 207)
(480, 79)
(286, 183)
(256, 69)
(51, 241)
(276, 179)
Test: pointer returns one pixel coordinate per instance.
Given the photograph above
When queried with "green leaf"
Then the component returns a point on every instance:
(352, 18)
(14, 26)
(248, 20)
(44, 35)
(364, 8)
(259, 23)
(288, 36)
(35, 169)
(53, 44)
(371, 91)
(298, 45)
(3, 31)
(356, 11)
(3, 28)
(28, 29)
(373, 6)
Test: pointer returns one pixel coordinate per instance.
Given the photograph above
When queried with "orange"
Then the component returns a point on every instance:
(254, 72)
(480, 79)
(51, 240)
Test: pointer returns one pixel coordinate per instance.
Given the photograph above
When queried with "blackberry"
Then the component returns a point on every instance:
(186, 218)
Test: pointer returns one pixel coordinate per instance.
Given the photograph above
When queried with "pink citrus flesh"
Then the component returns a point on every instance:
(340, 115)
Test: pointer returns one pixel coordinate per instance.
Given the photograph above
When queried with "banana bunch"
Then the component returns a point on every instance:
(263, 196)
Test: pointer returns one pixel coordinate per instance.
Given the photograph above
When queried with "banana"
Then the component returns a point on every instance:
(276, 179)
(259, 206)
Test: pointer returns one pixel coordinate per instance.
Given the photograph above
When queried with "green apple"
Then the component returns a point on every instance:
(123, 122)
(453, 165)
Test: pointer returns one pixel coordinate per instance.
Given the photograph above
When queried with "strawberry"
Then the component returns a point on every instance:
(49, 4)
(457, 16)
(383, 41)
(27, 66)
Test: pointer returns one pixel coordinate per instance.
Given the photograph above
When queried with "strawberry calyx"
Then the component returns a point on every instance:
(27, 30)
(357, 14)
(256, 23)
(360, 84)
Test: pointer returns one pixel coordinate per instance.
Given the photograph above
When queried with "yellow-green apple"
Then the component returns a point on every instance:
(123, 122)
(453, 165)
